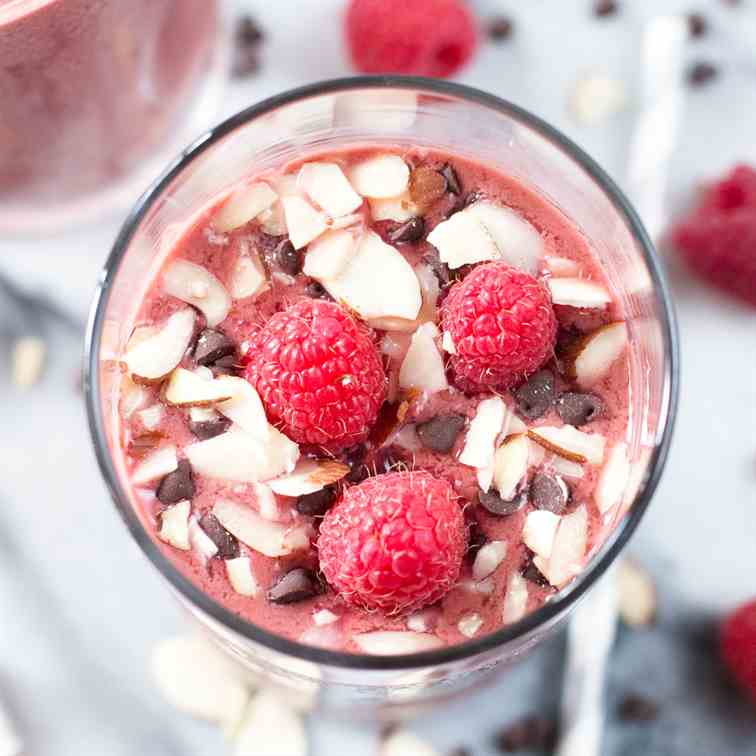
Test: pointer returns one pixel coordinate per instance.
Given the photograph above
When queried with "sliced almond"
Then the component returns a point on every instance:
(347, 221)
(185, 389)
(481, 435)
(324, 617)
(511, 465)
(380, 176)
(613, 478)
(243, 406)
(329, 254)
(637, 594)
(326, 185)
(399, 209)
(273, 221)
(562, 266)
(198, 287)
(151, 416)
(463, 240)
(389, 642)
(174, 525)
(423, 366)
(566, 467)
(273, 539)
(308, 476)
(303, 221)
(247, 277)
(405, 743)
(156, 465)
(377, 282)
(267, 505)
(515, 599)
(539, 531)
(153, 353)
(592, 357)
(270, 727)
(568, 550)
(243, 205)
(201, 543)
(132, 396)
(469, 624)
(430, 289)
(448, 343)
(570, 443)
(241, 577)
(576, 292)
(488, 559)
(518, 243)
(485, 476)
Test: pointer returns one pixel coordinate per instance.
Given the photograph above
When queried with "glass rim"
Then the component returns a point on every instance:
(608, 551)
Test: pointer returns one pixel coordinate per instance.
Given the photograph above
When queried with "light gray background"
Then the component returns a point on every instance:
(80, 609)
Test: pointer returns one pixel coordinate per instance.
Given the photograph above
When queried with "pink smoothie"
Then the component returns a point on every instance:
(89, 87)
(511, 568)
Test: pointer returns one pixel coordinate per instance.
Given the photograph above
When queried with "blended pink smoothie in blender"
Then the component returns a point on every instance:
(377, 400)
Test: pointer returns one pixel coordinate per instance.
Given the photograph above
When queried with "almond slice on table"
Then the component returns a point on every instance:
(241, 577)
(380, 176)
(198, 287)
(568, 549)
(613, 478)
(423, 367)
(405, 743)
(270, 727)
(243, 406)
(511, 465)
(637, 594)
(273, 539)
(308, 476)
(185, 389)
(463, 240)
(152, 353)
(329, 254)
(156, 465)
(575, 292)
(517, 241)
(243, 205)
(174, 525)
(481, 435)
(539, 531)
(303, 221)
(389, 642)
(399, 209)
(247, 277)
(592, 357)
(569, 442)
(488, 559)
(327, 186)
(515, 599)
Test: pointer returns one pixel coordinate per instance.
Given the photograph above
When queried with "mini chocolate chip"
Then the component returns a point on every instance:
(493, 503)
(204, 429)
(247, 32)
(316, 290)
(316, 504)
(702, 73)
(288, 258)
(697, 25)
(353, 457)
(177, 485)
(500, 28)
(531, 732)
(226, 365)
(578, 409)
(637, 708)
(211, 346)
(411, 231)
(441, 432)
(604, 8)
(297, 585)
(426, 185)
(452, 180)
(144, 444)
(530, 572)
(228, 546)
(536, 395)
(549, 493)
(476, 539)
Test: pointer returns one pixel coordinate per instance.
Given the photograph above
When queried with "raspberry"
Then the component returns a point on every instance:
(395, 542)
(318, 373)
(738, 646)
(718, 239)
(502, 324)
(422, 37)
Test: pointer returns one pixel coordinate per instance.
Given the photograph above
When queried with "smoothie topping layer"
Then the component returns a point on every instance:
(389, 403)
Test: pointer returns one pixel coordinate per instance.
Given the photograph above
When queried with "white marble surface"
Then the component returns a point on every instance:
(81, 608)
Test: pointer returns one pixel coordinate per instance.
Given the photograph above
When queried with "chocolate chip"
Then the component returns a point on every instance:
(204, 429)
(452, 180)
(316, 504)
(426, 185)
(247, 38)
(702, 73)
(143, 444)
(316, 290)
(637, 708)
(226, 365)
(228, 546)
(530, 572)
(211, 346)
(697, 25)
(476, 539)
(177, 485)
(499, 29)
(411, 231)
(604, 8)
(578, 409)
(536, 395)
(469, 199)
(531, 732)
(297, 585)
(288, 258)
(354, 458)
(248, 33)
(549, 493)
(493, 503)
(441, 432)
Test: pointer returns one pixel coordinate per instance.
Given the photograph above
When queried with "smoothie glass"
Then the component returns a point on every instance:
(95, 97)
(408, 111)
